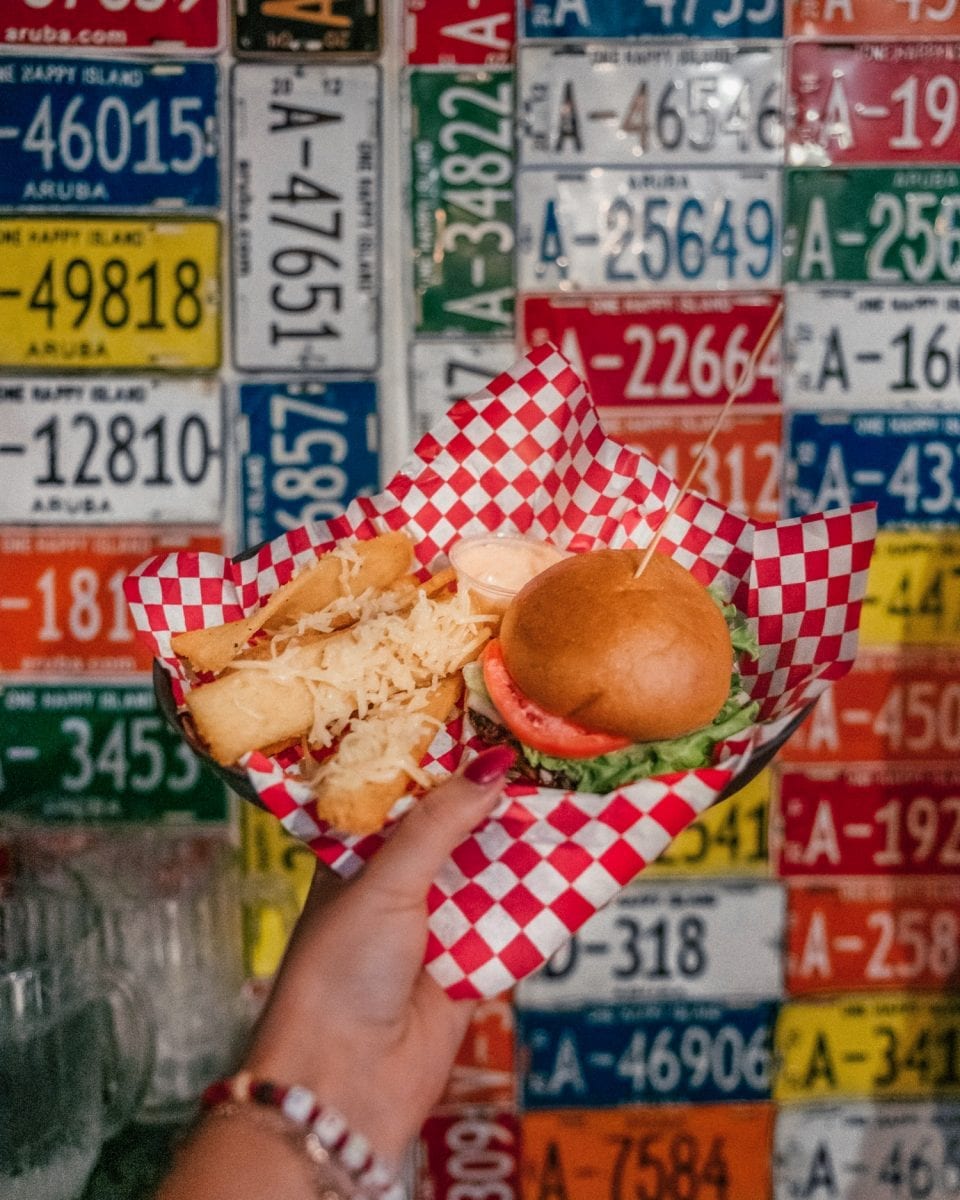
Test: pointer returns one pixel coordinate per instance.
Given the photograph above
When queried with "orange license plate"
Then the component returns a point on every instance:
(741, 468)
(62, 608)
(897, 705)
(871, 934)
(712, 1152)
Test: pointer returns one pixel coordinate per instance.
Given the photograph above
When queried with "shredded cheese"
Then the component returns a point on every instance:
(391, 652)
(378, 749)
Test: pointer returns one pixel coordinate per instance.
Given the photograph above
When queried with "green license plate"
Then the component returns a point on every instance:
(885, 225)
(462, 200)
(80, 752)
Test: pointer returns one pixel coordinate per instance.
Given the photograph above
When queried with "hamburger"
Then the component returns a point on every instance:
(599, 678)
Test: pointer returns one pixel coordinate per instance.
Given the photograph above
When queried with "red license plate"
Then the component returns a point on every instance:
(61, 597)
(483, 1072)
(869, 821)
(741, 468)
(474, 1153)
(898, 705)
(874, 102)
(467, 32)
(870, 934)
(112, 24)
(642, 350)
(873, 18)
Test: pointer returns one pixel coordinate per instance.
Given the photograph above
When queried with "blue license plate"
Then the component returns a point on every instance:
(307, 450)
(91, 133)
(651, 1053)
(651, 18)
(907, 463)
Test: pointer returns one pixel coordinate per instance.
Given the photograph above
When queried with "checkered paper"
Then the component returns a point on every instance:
(528, 454)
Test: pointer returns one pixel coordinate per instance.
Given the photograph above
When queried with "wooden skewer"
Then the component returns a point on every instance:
(739, 387)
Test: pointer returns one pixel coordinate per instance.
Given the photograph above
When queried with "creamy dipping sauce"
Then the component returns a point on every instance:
(496, 568)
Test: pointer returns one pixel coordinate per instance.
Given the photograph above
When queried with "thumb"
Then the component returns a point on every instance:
(426, 836)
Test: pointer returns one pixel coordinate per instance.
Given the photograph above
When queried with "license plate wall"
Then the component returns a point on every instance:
(250, 252)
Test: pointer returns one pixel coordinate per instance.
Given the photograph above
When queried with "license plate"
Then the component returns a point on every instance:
(296, 27)
(679, 349)
(475, 1153)
(617, 104)
(730, 838)
(913, 590)
(92, 451)
(873, 18)
(674, 1052)
(483, 1072)
(669, 939)
(98, 752)
(159, 25)
(711, 1152)
(870, 820)
(896, 705)
(616, 229)
(905, 463)
(443, 372)
(741, 466)
(651, 18)
(61, 597)
(306, 203)
(108, 133)
(462, 201)
(886, 1151)
(904, 1047)
(268, 850)
(873, 934)
(306, 450)
(892, 348)
(872, 225)
(95, 294)
(873, 102)
(459, 32)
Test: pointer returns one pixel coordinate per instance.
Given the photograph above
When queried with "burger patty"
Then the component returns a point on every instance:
(495, 734)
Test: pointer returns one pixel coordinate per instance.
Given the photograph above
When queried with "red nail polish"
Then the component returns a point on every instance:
(490, 764)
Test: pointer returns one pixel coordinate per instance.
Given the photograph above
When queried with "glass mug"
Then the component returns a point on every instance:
(171, 911)
(76, 1053)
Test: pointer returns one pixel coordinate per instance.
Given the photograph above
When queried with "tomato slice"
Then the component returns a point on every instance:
(544, 731)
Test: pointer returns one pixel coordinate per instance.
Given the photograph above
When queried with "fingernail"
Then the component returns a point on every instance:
(490, 765)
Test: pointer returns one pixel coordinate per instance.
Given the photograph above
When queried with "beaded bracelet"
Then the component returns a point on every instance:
(316, 1125)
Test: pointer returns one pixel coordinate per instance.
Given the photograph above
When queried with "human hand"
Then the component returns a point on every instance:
(353, 1015)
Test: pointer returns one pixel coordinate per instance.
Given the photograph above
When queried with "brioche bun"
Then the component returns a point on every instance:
(646, 658)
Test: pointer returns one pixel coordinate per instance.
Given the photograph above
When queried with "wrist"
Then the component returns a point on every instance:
(344, 1163)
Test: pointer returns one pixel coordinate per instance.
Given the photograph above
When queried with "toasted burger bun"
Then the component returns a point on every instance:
(646, 658)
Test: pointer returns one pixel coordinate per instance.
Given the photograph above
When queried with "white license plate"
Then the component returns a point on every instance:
(443, 371)
(888, 1151)
(872, 348)
(620, 104)
(110, 450)
(615, 229)
(656, 941)
(306, 201)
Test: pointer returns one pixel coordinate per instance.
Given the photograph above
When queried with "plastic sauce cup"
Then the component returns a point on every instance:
(493, 567)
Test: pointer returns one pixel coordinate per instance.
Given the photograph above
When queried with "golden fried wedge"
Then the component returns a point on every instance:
(353, 802)
(382, 560)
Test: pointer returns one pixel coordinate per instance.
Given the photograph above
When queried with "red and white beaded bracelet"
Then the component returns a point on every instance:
(316, 1124)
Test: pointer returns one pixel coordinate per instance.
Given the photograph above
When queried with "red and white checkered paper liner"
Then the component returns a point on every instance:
(528, 453)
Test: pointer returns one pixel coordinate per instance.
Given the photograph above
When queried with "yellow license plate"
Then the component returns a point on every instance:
(913, 589)
(730, 838)
(268, 850)
(103, 294)
(900, 1046)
